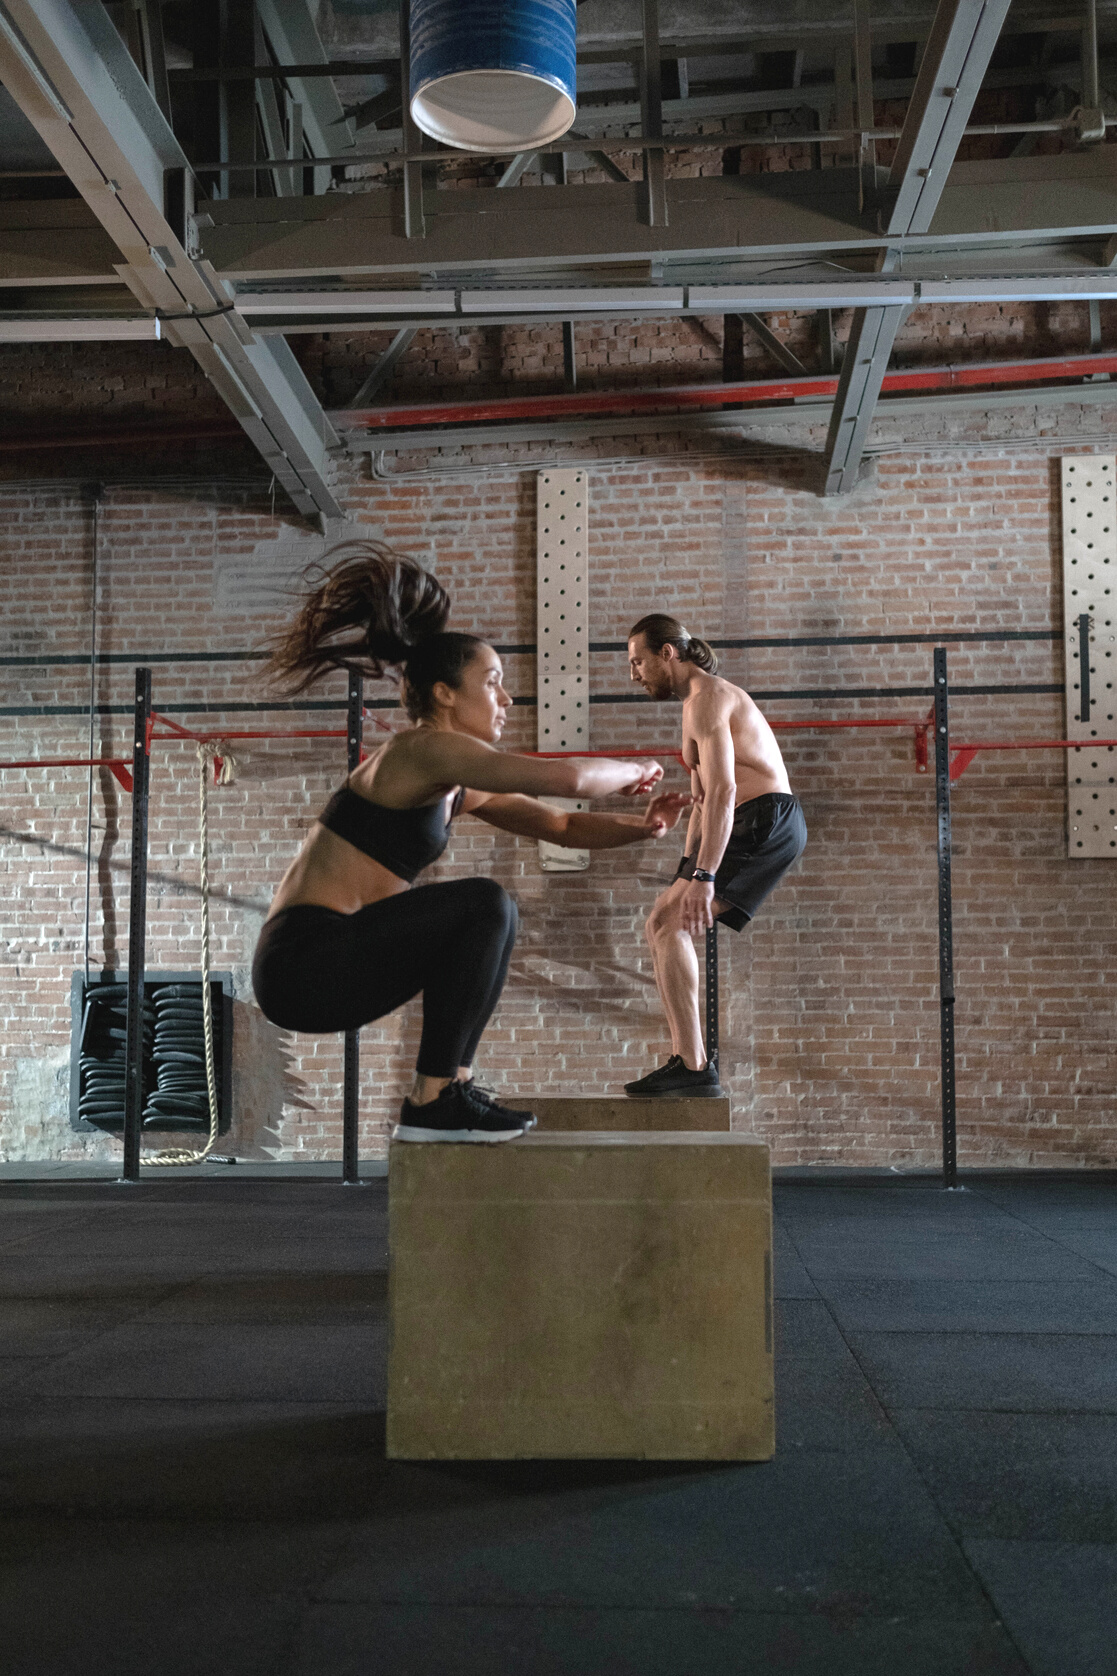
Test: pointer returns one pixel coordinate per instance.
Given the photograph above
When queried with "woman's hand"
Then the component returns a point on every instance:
(663, 812)
(645, 777)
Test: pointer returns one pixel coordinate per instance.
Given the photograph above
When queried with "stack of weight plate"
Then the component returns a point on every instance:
(180, 1099)
(101, 1054)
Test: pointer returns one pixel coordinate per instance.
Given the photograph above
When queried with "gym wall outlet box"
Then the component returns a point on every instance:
(617, 1112)
(581, 1296)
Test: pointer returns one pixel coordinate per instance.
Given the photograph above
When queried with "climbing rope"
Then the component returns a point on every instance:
(225, 766)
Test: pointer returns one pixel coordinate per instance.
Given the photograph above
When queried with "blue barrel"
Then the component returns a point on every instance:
(492, 75)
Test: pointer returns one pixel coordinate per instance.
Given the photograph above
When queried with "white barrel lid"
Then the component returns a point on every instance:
(493, 110)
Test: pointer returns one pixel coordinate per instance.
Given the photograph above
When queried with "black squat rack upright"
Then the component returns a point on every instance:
(946, 921)
(137, 926)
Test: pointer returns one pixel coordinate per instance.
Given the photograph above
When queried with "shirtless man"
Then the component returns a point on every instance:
(746, 829)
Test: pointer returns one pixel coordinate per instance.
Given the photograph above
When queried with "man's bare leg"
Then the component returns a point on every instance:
(676, 976)
(659, 984)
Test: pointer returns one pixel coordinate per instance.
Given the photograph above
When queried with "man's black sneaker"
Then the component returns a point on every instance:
(651, 1084)
(462, 1112)
(674, 1080)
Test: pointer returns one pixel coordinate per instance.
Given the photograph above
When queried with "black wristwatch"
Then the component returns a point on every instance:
(701, 876)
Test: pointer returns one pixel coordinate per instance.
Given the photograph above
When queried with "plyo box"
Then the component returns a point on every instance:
(581, 1296)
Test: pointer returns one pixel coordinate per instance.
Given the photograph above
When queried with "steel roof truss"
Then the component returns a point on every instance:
(955, 60)
(73, 77)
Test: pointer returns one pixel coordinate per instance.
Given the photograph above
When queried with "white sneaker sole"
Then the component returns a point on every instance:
(411, 1132)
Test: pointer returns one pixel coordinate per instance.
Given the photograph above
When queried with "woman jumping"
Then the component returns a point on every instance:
(349, 938)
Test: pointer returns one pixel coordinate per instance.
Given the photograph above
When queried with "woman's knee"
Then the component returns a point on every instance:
(488, 903)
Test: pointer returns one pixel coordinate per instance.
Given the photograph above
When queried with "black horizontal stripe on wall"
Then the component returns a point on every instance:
(82, 659)
(337, 707)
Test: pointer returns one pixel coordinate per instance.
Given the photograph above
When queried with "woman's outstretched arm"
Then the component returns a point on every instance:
(575, 830)
(457, 759)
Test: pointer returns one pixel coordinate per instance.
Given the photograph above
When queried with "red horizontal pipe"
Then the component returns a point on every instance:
(25, 442)
(69, 762)
(177, 729)
(1037, 745)
(222, 734)
(685, 397)
(118, 767)
(887, 721)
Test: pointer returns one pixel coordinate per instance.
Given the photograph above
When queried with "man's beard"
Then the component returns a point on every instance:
(661, 691)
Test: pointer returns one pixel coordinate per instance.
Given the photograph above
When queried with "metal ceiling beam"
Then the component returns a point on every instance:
(414, 217)
(651, 115)
(79, 329)
(291, 30)
(825, 99)
(57, 244)
(52, 313)
(819, 35)
(797, 213)
(775, 346)
(863, 89)
(384, 367)
(271, 123)
(73, 78)
(955, 60)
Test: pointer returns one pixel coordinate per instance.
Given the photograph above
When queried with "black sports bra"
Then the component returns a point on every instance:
(402, 840)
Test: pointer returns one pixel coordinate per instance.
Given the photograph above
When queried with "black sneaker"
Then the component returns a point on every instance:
(652, 1083)
(462, 1112)
(675, 1081)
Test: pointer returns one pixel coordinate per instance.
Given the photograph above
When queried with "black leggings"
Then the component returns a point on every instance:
(321, 971)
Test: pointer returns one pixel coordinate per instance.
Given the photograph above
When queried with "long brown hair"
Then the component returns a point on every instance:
(660, 630)
(374, 611)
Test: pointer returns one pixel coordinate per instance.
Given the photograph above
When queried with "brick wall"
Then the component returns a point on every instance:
(830, 1029)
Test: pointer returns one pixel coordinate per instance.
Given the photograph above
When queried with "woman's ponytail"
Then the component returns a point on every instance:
(367, 609)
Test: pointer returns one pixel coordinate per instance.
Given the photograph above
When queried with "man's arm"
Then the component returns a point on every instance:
(719, 787)
(694, 824)
(717, 767)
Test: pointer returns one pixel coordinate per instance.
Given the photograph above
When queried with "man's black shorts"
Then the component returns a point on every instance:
(769, 834)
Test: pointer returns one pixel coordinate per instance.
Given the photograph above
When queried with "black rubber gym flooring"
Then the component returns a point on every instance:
(193, 1476)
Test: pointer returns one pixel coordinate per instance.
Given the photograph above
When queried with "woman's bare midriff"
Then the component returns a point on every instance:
(329, 872)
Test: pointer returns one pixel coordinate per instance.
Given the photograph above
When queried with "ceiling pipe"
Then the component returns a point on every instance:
(147, 436)
(689, 397)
